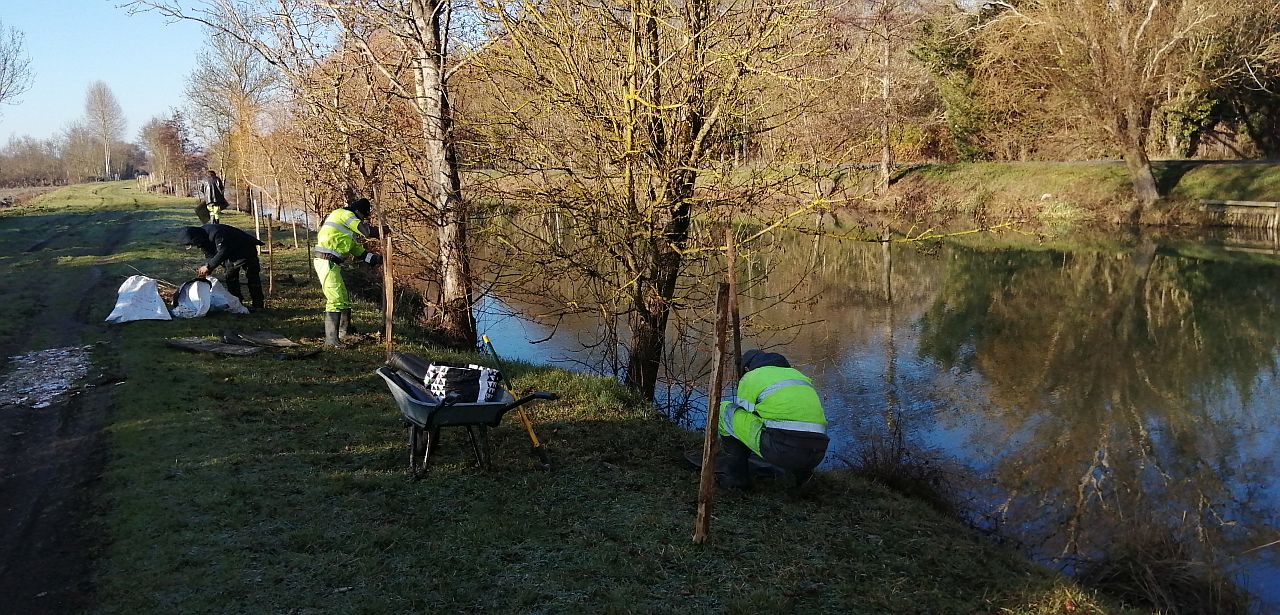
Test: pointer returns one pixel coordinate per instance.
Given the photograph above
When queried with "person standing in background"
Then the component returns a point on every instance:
(213, 199)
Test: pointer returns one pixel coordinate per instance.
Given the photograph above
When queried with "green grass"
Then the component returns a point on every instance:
(252, 484)
(1052, 193)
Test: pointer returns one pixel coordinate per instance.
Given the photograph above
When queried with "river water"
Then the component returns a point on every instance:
(1080, 401)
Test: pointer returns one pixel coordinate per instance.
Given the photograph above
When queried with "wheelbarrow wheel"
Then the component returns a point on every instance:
(417, 448)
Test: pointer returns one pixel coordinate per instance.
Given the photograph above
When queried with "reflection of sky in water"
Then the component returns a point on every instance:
(948, 411)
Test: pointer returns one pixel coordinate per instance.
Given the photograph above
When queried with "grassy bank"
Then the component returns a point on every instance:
(1078, 192)
(253, 484)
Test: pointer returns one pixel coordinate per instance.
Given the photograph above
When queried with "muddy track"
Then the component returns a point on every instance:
(51, 462)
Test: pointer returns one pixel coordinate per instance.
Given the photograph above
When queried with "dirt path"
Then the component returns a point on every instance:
(51, 458)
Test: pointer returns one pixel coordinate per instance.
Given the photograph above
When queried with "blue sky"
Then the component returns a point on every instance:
(143, 58)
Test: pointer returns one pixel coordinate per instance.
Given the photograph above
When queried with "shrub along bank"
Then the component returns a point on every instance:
(253, 484)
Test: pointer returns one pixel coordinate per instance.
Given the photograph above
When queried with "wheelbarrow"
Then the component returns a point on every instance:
(424, 413)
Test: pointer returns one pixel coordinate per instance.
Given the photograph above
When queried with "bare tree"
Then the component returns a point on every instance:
(228, 90)
(104, 119)
(15, 67)
(168, 145)
(612, 119)
(1120, 59)
(403, 49)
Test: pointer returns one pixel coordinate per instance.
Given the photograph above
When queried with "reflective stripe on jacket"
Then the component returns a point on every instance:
(774, 397)
(340, 235)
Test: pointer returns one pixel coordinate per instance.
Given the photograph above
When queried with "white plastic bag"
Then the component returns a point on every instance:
(192, 300)
(222, 299)
(138, 299)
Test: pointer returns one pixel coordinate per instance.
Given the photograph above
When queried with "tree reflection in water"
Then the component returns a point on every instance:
(1127, 382)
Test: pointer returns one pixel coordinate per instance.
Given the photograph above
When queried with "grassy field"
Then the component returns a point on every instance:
(253, 484)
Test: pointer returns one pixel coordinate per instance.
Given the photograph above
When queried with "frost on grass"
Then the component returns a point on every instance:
(38, 378)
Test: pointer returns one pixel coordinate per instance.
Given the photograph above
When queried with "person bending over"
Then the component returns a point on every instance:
(775, 414)
(228, 246)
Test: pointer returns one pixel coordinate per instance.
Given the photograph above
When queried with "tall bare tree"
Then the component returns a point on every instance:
(1120, 59)
(612, 118)
(104, 118)
(403, 46)
(228, 90)
(15, 66)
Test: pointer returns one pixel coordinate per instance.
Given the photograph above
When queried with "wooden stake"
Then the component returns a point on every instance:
(271, 260)
(388, 292)
(388, 280)
(707, 481)
(295, 233)
(257, 222)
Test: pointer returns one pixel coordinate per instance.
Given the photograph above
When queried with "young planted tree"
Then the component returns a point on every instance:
(104, 119)
(610, 119)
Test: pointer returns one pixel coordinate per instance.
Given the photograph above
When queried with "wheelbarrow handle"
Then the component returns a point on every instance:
(543, 395)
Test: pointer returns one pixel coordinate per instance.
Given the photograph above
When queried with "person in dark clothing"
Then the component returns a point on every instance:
(213, 199)
(232, 247)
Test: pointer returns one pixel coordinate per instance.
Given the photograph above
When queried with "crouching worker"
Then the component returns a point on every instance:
(232, 247)
(338, 243)
(775, 414)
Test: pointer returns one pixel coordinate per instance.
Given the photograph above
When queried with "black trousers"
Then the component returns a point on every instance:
(797, 452)
(253, 273)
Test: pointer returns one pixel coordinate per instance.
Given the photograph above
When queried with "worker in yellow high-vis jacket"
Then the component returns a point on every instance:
(339, 243)
(776, 414)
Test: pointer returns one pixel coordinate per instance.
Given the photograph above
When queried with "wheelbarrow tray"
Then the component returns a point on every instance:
(425, 410)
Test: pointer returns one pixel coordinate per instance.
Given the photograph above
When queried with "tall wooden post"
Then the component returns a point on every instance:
(388, 279)
(388, 292)
(271, 259)
(707, 480)
(257, 222)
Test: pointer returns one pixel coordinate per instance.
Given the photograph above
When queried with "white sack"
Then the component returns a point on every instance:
(138, 299)
(222, 299)
(192, 299)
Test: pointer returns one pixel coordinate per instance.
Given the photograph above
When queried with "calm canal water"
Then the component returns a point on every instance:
(1079, 399)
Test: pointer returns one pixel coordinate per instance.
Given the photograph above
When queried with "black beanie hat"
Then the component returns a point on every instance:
(193, 236)
(754, 358)
(361, 206)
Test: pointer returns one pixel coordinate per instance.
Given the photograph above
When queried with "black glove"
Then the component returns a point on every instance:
(372, 259)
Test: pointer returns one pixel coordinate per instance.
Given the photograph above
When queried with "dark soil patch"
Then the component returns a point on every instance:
(51, 462)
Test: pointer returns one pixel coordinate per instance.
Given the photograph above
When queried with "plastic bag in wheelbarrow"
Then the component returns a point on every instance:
(467, 383)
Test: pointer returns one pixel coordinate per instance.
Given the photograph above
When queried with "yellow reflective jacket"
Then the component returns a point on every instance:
(340, 235)
(774, 397)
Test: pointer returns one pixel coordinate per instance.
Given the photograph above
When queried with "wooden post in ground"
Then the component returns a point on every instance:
(388, 279)
(707, 480)
(388, 292)
(257, 221)
(295, 233)
(271, 260)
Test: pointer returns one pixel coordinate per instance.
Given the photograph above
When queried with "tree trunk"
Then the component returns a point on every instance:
(436, 117)
(1144, 183)
(648, 340)
(886, 148)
